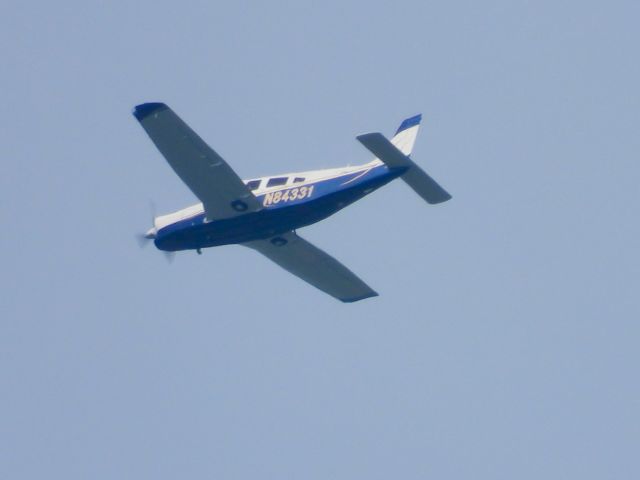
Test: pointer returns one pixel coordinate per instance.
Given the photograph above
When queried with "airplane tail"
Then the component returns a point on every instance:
(395, 154)
(405, 136)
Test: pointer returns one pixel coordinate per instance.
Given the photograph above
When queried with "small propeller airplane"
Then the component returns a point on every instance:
(264, 213)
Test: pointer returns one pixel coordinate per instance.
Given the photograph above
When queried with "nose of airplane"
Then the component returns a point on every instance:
(151, 233)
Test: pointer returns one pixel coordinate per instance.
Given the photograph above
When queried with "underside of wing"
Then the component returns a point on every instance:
(314, 266)
(209, 177)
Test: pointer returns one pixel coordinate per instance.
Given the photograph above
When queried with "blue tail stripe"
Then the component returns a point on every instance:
(409, 122)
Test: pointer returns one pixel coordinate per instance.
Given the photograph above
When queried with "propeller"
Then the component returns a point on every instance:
(144, 238)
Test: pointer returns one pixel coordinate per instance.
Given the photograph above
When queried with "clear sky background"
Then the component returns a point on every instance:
(504, 343)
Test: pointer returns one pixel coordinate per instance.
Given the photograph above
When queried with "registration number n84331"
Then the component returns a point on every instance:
(288, 195)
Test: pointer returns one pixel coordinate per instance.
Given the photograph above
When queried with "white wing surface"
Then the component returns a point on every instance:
(314, 266)
(209, 177)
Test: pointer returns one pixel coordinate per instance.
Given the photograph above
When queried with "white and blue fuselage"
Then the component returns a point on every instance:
(288, 202)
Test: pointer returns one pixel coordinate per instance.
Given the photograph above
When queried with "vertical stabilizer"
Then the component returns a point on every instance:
(405, 136)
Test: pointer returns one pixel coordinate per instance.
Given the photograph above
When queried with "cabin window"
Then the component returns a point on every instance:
(298, 180)
(253, 184)
(275, 181)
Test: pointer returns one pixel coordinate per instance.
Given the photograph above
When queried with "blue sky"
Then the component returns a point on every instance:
(504, 340)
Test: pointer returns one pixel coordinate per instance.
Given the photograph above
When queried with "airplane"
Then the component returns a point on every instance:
(265, 213)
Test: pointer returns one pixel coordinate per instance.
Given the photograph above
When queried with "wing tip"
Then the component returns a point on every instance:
(359, 297)
(143, 110)
(443, 197)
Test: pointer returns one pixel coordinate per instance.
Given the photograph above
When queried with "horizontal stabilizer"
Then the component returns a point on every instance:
(415, 177)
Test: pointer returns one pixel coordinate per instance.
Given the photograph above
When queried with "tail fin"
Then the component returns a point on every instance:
(405, 136)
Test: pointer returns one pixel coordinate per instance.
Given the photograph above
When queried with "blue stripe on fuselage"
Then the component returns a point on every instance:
(328, 196)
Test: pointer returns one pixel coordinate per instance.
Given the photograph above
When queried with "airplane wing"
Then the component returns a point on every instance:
(209, 177)
(314, 266)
